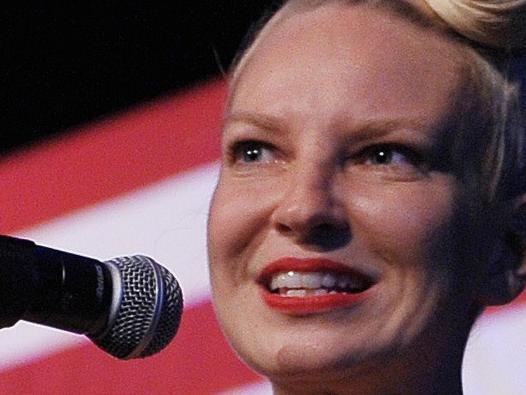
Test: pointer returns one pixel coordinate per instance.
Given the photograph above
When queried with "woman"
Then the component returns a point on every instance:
(371, 200)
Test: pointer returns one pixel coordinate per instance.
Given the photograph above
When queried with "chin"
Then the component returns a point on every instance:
(304, 352)
(331, 347)
(315, 369)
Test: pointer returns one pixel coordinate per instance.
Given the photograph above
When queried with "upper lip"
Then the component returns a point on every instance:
(304, 265)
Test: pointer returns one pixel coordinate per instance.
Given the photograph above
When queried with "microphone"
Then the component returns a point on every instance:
(130, 307)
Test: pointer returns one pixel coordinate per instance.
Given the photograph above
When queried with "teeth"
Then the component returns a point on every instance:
(296, 292)
(328, 281)
(286, 280)
(292, 281)
(303, 292)
(311, 280)
(343, 282)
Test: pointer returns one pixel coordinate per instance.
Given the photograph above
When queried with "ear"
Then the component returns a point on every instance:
(505, 275)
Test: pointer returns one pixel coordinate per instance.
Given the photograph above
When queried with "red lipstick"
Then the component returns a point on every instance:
(311, 304)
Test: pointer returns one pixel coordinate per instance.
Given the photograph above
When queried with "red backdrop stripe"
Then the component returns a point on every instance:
(199, 361)
(111, 157)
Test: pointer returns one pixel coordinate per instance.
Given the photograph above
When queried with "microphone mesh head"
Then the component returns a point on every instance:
(149, 312)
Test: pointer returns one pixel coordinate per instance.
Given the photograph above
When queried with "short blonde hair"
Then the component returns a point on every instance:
(489, 32)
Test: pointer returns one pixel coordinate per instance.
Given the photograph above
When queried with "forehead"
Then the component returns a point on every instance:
(379, 63)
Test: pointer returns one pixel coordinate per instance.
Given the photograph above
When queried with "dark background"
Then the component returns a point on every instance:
(65, 66)
(69, 65)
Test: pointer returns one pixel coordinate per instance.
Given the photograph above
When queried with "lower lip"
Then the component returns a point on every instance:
(312, 304)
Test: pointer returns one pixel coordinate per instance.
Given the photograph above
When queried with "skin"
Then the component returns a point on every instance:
(324, 109)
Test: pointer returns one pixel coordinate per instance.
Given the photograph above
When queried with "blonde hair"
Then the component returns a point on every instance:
(497, 23)
(489, 31)
(494, 29)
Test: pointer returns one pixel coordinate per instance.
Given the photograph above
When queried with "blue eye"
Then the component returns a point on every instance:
(382, 157)
(390, 156)
(252, 152)
(385, 157)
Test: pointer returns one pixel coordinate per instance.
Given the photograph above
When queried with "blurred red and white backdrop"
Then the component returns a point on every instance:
(140, 182)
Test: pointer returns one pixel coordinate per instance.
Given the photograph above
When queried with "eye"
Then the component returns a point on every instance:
(390, 156)
(252, 151)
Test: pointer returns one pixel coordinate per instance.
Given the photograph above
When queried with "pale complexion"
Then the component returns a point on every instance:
(339, 124)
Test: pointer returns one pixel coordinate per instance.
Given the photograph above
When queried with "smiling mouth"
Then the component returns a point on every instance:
(308, 286)
(300, 284)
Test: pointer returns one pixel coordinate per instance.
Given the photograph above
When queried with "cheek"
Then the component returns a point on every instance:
(415, 234)
(239, 212)
(411, 224)
(220, 223)
(238, 215)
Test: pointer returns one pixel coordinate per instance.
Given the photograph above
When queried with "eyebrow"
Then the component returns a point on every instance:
(376, 128)
(262, 121)
(367, 129)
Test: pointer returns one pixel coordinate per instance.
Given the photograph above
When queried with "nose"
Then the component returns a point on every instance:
(311, 213)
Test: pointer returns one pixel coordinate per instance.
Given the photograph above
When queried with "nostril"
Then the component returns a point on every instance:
(311, 215)
(328, 236)
(284, 229)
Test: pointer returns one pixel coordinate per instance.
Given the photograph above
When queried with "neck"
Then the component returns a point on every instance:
(446, 381)
(419, 373)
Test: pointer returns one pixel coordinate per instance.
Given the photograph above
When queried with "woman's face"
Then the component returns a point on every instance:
(337, 233)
